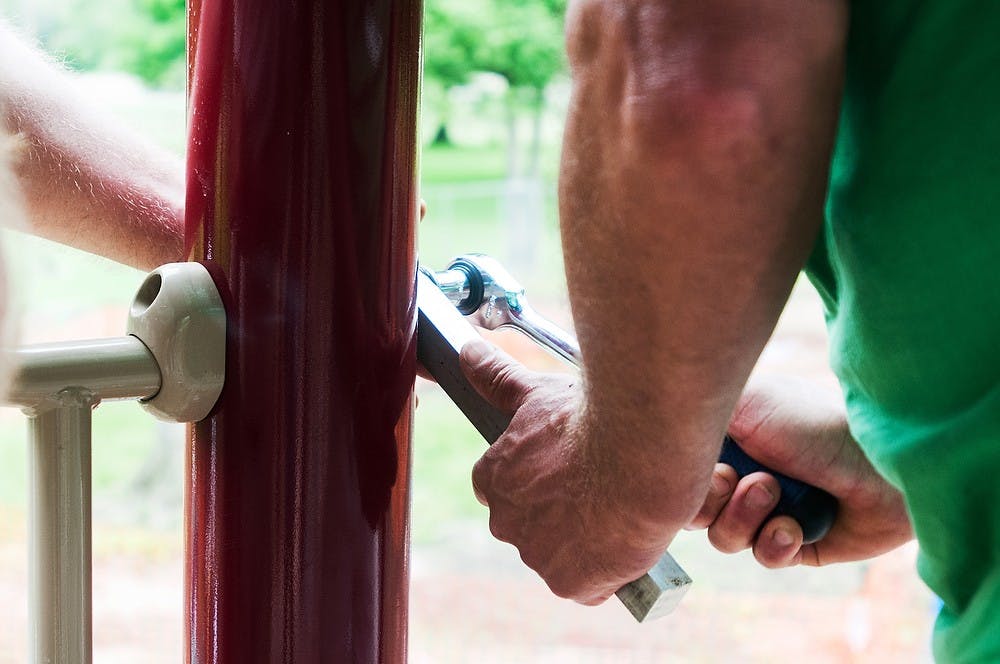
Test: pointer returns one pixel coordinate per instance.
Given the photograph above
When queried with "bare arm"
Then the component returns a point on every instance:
(693, 179)
(86, 181)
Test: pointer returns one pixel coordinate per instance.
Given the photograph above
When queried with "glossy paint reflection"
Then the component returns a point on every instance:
(302, 202)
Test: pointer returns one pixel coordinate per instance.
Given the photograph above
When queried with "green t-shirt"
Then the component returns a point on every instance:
(908, 265)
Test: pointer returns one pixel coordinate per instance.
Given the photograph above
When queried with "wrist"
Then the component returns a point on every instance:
(649, 478)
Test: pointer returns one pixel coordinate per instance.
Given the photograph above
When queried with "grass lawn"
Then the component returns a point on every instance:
(123, 438)
(445, 447)
(457, 164)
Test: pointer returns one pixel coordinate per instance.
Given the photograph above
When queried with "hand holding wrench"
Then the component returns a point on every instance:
(481, 288)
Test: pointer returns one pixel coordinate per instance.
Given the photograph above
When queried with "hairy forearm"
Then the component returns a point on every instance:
(86, 181)
(692, 185)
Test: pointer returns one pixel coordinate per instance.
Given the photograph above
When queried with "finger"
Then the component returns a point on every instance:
(809, 554)
(569, 586)
(498, 377)
(720, 488)
(479, 481)
(779, 543)
(738, 522)
(500, 529)
(423, 372)
(596, 599)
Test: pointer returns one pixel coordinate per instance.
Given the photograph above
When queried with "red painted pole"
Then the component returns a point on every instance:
(302, 200)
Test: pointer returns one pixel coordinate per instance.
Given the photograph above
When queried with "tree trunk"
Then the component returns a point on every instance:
(512, 160)
(441, 138)
(535, 155)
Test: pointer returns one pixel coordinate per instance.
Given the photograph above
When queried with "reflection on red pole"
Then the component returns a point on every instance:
(301, 199)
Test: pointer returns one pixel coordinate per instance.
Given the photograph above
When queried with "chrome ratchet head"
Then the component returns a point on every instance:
(488, 291)
(490, 297)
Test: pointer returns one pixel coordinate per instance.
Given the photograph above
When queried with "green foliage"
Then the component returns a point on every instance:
(142, 37)
(454, 164)
(521, 40)
(451, 35)
(154, 48)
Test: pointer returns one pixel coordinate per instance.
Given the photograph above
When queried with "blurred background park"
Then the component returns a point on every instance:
(495, 92)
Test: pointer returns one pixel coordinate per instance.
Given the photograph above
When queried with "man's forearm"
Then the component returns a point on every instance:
(693, 178)
(87, 182)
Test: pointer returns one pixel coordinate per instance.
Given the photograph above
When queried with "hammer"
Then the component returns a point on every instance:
(481, 289)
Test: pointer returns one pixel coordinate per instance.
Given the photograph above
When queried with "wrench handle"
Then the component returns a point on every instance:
(814, 509)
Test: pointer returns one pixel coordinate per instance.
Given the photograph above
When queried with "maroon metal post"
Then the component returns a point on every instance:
(302, 202)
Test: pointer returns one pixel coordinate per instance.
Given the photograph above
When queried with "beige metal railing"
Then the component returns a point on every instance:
(173, 360)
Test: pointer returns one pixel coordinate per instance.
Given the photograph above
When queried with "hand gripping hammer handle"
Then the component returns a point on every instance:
(482, 289)
(441, 334)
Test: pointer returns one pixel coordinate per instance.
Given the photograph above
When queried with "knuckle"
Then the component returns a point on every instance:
(769, 558)
(725, 541)
(767, 562)
(530, 559)
(498, 528)
(479, 485)
(562, 587)
(756, 495)
(483, 472)
(480, 471)
(508, 382)
(502, 375)
(596, 599)
(778, 545)
(728, 475)
(702, 519)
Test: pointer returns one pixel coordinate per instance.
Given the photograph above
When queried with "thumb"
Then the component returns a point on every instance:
(499, 378)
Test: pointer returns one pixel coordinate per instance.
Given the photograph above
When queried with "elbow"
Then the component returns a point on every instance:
(700, 125)
(676, 88)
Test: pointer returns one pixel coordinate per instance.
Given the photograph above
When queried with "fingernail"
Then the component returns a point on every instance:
(476, 352)
(760, 497)
(782, 538)
(720, 486)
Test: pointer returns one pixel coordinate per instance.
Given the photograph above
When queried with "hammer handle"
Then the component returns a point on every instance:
(813, 509)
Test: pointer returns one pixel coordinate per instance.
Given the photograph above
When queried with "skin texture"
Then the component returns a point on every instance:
(12, 216)
(85, 181)
(693, 180)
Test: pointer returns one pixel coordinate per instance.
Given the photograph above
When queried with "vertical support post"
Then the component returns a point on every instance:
(60, 622)
(302, 202)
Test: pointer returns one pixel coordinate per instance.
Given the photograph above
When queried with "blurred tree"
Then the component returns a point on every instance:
(141, 37)
(153, 45)
(451, 35)
(522, 41)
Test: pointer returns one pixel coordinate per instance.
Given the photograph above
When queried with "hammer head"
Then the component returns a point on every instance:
(656, 593)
